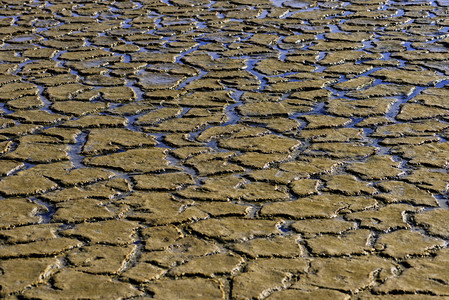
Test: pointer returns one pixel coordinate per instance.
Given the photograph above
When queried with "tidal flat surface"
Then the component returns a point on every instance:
(241, 149)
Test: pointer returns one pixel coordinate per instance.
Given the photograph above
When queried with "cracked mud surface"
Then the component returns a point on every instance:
(197, 149)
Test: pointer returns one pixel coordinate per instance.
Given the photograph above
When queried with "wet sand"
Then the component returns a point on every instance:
(196, 149)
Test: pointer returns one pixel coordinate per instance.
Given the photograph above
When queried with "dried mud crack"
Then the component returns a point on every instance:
(236, 149)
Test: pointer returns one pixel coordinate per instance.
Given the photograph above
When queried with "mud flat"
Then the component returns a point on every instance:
(196, 149)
